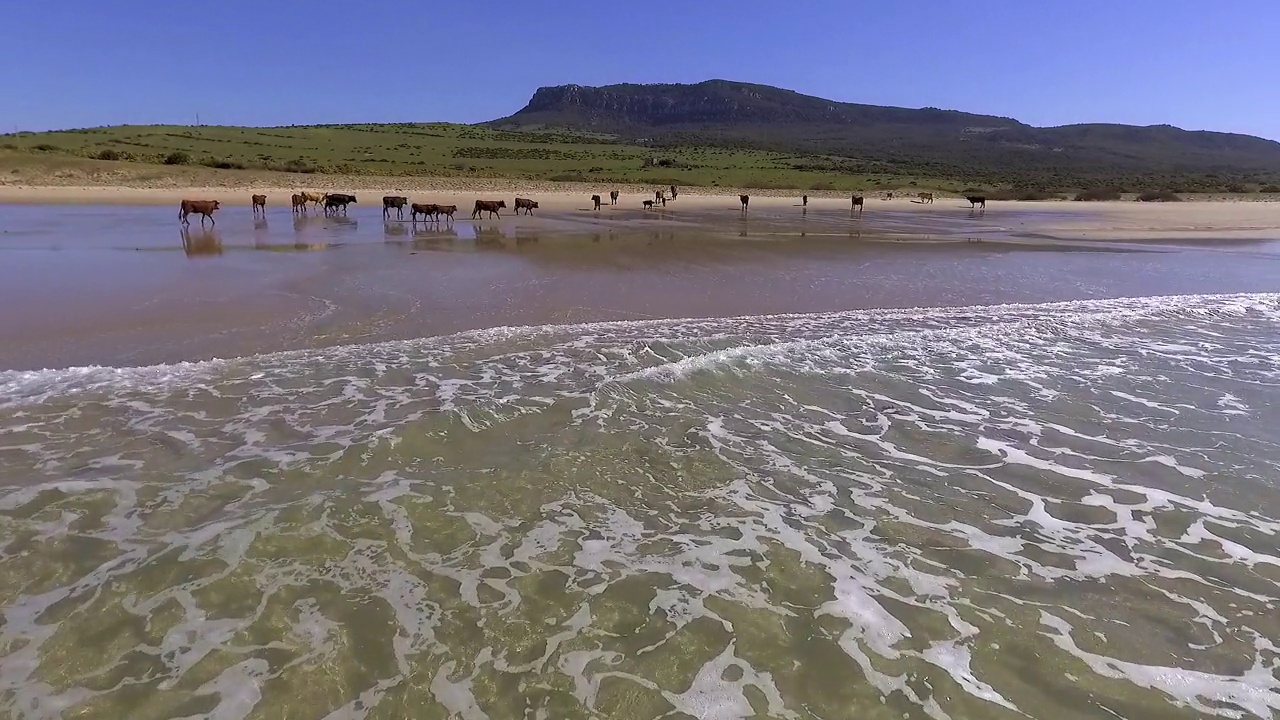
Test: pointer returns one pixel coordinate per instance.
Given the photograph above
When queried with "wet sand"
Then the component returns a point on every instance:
(119, 283)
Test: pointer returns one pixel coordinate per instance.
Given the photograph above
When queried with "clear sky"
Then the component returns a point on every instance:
(1195, 64)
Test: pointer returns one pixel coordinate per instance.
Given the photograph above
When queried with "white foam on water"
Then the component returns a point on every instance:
(519, 502)
(1254, 693)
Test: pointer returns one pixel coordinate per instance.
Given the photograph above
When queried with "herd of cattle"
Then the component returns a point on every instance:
(335, 203)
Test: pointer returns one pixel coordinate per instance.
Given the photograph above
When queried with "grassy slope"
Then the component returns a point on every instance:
(445, 150)
(463, 151)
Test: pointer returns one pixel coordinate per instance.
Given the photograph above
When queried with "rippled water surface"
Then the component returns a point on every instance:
(1054, 511)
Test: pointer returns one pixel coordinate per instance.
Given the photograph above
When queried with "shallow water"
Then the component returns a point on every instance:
(1047, 511)
(125, 286)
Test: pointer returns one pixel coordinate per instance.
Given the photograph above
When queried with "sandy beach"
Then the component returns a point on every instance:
(1195, 219)
(96, 275)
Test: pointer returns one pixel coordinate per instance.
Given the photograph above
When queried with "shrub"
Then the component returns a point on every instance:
(177, 158)
(1158, 196)
(822, 186)
(1235, 189)
(1098, 194)
(1020, 195)
(1269, 189)
(222, 164)
(108, 155)
(46, 147)
(298, 165)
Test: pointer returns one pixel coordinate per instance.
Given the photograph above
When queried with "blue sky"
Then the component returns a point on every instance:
(265, 62)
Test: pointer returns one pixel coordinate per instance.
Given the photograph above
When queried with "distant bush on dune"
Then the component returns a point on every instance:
(177, 158)
(1269, 189)
(1021, 195)
(297, 165)
(1158, 196)
(1098, 195)
(108, 155)
(222, 164)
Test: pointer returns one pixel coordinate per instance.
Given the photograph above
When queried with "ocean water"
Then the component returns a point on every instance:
(1035, 511)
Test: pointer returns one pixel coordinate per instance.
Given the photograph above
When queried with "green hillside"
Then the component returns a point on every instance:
(711, 134)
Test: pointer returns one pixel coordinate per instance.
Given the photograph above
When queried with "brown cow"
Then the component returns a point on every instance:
(648, 204)
(745, 200)
(393, 201)
(858, 204)
(525, 204)
(299, 202)
(489, 206)
(204, 207)
(426, 210)
(926, 198)
(259, 203)
(977, 201)
(595, 199)
(447, 210)
(613, 197)
(674, 194)
(315, 198)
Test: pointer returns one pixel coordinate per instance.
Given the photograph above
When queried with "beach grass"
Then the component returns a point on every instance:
(433, 150)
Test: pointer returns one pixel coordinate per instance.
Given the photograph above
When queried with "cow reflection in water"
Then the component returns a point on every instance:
(302, 222)
(491, 238)
(433, 237)
(394, 229)
(200, 242)
(526, 239)
(261, 233)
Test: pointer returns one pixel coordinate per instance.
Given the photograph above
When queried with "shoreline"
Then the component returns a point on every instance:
(1055, 220)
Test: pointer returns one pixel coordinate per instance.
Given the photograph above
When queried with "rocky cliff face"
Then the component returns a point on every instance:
(722, 102)
(719, 112)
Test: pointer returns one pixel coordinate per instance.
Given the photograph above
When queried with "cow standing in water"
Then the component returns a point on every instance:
(674, 194)
(259, 204)
(205, 208)
(489, 206)
(299, 202)
(391, 201)
(613, 197)
(858, 203)
(595, 199)
(527, 205)
(333, 202)
(428, 211)
(804, 200)
(746, 200)
(316, 199)
(976, 201)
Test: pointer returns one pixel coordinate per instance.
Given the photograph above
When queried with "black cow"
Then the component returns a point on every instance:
(337, 201)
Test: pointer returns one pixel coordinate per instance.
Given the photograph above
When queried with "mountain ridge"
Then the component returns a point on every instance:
(724, 112)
